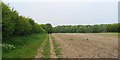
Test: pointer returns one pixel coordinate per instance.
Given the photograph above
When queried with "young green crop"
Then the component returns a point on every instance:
(56, 47)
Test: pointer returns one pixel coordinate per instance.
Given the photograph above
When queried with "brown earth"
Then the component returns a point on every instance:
(87, 45)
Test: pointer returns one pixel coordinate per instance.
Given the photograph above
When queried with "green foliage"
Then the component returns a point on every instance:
(15, 25)
(56, 47)
(87, 28)
(7, 22)
(7, 47)
(18, 34)
(28, 49)
(46, 49)
(37, 28)
(23, 27)
(113, 27)
(48, 28)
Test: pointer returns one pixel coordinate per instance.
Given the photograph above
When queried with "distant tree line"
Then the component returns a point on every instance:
(14, 24)
(87, 28)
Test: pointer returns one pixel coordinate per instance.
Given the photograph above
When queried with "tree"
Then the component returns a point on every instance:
(15, 25)
(48, 28)
(7, 22)
(87, 28)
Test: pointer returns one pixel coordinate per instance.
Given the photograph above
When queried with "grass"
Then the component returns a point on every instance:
(30, 45)
(56, 47)
(108, 34)
(46, 49)
(105, 34)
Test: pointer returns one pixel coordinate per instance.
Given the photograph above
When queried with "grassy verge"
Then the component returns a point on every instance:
(46, 49)
(108, 34)
(29, 47)
(56, 47)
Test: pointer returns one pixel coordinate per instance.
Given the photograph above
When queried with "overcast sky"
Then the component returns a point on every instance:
(64, 12)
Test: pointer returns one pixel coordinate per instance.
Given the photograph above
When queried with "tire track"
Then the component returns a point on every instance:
(40, 50)
(53, 55)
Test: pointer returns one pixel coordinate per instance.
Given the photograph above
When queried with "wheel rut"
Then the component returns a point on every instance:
(53, 55)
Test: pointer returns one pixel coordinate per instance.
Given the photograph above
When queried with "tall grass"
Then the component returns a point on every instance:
(26, 46)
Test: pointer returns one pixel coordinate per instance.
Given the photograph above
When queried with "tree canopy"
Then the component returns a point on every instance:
(14, 24)
(87, 28)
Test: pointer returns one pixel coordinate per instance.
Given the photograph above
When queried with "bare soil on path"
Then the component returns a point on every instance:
(87, 45)
(40, 50)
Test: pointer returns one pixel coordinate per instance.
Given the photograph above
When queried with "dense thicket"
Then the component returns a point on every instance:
(14, 24)
(87, 28)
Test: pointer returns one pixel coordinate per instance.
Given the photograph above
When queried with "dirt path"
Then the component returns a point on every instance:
(53, 55)
(40, 50)
(87, 45)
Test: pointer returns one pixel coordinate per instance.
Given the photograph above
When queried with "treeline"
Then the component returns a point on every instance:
(14, 24)
(87, 28)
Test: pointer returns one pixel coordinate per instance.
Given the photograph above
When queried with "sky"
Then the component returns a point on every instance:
(68, 12)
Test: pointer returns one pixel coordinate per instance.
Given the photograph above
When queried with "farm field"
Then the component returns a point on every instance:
(87, 45)
(58, 30)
